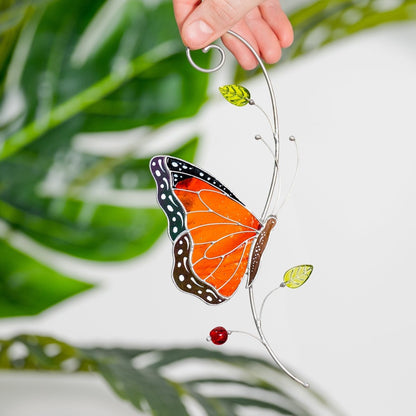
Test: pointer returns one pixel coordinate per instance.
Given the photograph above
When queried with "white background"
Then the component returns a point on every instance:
(350, 330)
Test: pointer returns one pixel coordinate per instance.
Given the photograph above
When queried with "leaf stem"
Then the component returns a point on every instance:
(266, 344)
(233, 331)
(267, 297)
(265, 115)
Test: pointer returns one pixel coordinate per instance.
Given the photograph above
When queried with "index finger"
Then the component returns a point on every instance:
(183, 8)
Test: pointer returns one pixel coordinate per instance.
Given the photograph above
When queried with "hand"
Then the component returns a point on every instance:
(261, 22)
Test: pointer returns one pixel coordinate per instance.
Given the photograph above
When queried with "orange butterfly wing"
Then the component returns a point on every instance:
(212, 249)
(222, 231)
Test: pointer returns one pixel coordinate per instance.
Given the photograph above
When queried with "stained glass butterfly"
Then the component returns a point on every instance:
(216, 240)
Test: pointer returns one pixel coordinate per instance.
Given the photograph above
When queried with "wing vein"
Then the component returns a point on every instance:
(238, 266)
(249, 229)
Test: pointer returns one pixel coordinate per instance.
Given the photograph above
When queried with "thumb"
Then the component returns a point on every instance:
(212, 18)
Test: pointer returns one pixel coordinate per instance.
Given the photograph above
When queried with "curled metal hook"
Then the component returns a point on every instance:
(275, 125)
(205, 50)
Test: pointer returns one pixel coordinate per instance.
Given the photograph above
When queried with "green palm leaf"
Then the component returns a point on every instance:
(319, 23)
(138, 375)
(69, 67)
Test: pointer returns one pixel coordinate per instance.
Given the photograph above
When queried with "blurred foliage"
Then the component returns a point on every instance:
(72, 67)
(322, 22)
(27, 286)
(146, 378)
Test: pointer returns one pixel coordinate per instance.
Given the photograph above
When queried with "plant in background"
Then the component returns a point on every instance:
(96, 67)
(70, 67)
(147, 377)
(321, 22)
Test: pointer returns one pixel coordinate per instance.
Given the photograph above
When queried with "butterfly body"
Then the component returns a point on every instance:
(215, 238)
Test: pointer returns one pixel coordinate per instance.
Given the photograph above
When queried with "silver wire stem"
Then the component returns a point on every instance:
(272, 188)
(233, 331)
(275, 125)
(269, 199)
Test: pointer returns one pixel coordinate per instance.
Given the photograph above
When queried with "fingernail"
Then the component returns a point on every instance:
(198, 33)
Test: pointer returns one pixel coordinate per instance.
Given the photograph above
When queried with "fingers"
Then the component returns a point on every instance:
(269, 44)
(261, 22)
(182, 9)
(264, 35)
(210, 19)
(273, 14)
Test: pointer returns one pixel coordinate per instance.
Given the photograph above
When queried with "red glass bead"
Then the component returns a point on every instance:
(219, 335)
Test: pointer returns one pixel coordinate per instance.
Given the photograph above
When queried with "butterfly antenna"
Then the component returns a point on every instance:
(290, 190)
(260, 138)
(276, 162)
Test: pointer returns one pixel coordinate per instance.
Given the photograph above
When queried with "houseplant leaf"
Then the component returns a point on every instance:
(74, 55)
(75, 223)
(319, 23)
(70, 67)
(140, 376)
(27, 287)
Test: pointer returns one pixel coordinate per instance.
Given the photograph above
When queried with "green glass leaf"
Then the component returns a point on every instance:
(27, 287)
(149, 388)
(297, 276)
(235, 94)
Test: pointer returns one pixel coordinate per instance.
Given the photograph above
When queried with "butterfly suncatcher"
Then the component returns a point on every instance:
(216, 239)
